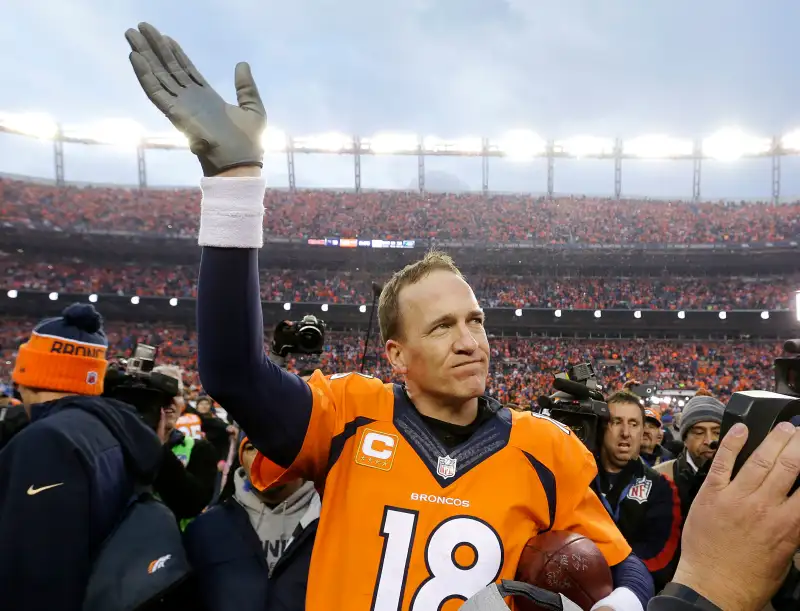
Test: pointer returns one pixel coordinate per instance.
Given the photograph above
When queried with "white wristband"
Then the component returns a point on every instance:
(232, 212)
(621, 599)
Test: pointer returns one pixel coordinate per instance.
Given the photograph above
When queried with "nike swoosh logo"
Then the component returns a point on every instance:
(32, 490)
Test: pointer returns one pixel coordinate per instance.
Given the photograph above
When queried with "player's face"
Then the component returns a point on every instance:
(444, 351)
(650, 436)
(698, 441)
(623, 437)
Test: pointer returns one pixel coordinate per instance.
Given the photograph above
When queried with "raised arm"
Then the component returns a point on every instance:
(272, 406)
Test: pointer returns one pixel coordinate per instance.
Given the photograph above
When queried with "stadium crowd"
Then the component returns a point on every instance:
(408, 215)
(494, 289)
(522, 367)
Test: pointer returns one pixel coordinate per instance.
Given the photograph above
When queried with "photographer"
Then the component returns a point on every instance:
(188, 472)
(644, 504)
(67, 478)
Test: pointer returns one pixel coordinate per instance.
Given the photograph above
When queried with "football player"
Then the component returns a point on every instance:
(430, 490)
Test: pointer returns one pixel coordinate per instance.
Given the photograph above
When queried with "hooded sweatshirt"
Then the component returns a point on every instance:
(64, 481)
(277, 527)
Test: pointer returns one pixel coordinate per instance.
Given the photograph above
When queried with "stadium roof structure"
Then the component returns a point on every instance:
(727, 144)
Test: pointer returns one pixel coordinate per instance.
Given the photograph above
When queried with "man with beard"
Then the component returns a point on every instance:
(652, 452)
(700, 425)
(644, 504)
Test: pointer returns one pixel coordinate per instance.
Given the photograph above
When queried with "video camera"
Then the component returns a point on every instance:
(134, 382)
(579, 404)
(305, 336)
(761, 410)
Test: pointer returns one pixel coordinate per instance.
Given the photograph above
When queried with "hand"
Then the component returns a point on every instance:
(740, 535)
(222, 136)
(161, 429)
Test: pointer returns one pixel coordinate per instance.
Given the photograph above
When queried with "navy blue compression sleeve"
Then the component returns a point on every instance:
(632, 574)
(272, 406)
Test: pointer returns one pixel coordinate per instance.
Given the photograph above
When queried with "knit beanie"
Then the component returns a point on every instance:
(65, 354)
(700, 409)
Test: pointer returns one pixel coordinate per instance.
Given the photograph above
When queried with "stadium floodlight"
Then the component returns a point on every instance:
(732, 143)
(53, 296)
(681, 314)
(791, 141)
(657, 146)
(135, 300)
(273, 140)
(521, 145)
(434, 144)
(37, 125)
(797, 305)
(681, 402)
(637, 314)
(125, 133)
(173, 301)
(167, 140)
(287, 306)
(764, 315)
(362, 309)
(387, 143)
(12, 294)
(723, 315)
(597, 313)
(518, 312)
(324, 307)
(557, 313)
(587, 146)
(92, 298)
(330, 142)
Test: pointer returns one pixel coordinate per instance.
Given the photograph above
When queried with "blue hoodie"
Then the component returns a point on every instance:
(64, 482)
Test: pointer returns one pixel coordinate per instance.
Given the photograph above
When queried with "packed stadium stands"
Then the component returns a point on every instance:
(522, 367)
(407, 215)
(319, 286)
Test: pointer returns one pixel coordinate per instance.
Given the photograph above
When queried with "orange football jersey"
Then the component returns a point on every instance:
(407, 524)
(190, 425)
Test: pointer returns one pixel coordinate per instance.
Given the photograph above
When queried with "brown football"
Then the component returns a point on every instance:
(566, 563)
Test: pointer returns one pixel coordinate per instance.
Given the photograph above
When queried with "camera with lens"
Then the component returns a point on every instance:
(134, 382)
(579, 404)
(761, 410)
(305, 336)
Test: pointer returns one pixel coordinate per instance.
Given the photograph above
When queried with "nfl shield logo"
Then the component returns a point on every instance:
(92, 378)
(640, 490)
(446, 467)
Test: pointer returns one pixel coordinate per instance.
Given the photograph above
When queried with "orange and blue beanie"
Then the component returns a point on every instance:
(66, 353)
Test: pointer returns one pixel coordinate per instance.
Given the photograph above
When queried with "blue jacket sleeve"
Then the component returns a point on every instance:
(45, 523)
(271, 405)
(658, 542)
(631, 573)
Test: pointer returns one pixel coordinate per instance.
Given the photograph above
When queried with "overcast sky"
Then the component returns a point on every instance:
(450, 68)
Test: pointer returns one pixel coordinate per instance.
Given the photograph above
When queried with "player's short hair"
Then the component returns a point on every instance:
(389, 302)
(171, 371)
(625, 396)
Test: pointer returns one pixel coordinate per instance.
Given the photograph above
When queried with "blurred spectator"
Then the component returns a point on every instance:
(522, 368)
(408, 215)
(493, 289)
(652, 452)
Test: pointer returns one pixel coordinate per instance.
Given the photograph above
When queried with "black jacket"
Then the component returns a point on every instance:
(231, 571)
(12, 420)
(187, 490)
(646, 508)
(64, 482)
(660, 455)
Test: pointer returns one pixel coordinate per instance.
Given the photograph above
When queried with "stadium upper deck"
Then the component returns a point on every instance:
(397, 215)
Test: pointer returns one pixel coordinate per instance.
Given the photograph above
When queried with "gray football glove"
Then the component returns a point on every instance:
(222, 136)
